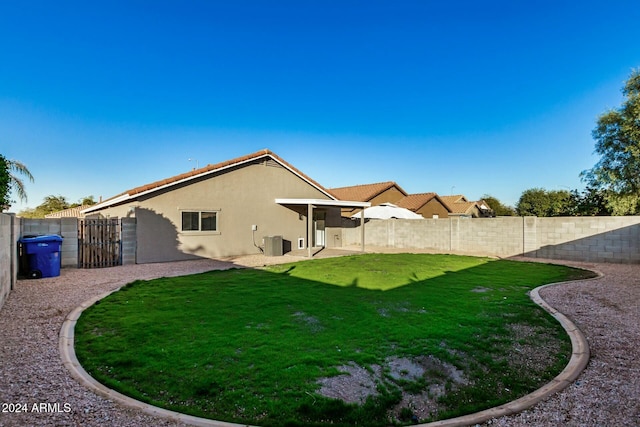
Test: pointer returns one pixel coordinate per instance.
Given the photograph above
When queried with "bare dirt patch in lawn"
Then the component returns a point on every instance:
(356, 383)
(422, 380)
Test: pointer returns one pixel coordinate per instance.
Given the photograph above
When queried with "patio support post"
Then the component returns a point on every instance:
(309, 228)
(362, 229)
(298, 206)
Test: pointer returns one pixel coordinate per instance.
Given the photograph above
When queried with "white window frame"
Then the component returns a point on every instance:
(199, 231)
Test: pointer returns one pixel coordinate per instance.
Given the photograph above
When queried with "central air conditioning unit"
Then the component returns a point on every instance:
(273, 245)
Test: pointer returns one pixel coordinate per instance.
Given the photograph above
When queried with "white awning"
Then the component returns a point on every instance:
(388, 211)
(324, 202)
(311, 204)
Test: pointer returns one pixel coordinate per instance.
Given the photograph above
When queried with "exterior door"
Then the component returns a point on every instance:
(319, 228)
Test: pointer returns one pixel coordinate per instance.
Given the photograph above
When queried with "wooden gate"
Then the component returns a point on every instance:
(99, 243)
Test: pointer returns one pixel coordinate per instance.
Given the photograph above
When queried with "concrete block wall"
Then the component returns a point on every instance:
(594, 239)
(496, 236)
(13, 228)
(451, 235)
(69, 248)
(529, 234)
(434, 227)
(9, 230)
(128, 239)
(39, 227)
(67, 228)
(403, 234)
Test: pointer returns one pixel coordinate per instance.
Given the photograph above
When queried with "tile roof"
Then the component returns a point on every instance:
(364, 192)
(453, 199)
(68, 213)
(209, 169)
(457, 204)
(461, 207)
(218, 166)
(413, 202)
(483, 205)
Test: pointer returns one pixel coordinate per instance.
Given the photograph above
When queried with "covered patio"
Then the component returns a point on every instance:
(306, 207)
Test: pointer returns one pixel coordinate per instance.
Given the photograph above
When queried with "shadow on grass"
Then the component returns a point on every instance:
(249, 346)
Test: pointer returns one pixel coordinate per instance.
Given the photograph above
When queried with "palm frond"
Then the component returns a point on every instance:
(20, 168)
(16, 183)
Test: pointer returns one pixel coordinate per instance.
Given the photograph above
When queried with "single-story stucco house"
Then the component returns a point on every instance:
(458, 205)
(227, 209)
(376, 194)
(75, 212)
(429, 205)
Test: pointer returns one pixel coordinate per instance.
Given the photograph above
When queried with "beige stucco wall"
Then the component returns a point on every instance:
(391, 195)
(243, 197)
(433, 207)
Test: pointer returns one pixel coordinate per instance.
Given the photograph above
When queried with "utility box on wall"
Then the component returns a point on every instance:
(273, 245)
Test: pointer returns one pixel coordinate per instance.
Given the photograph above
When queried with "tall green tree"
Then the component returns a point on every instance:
(623, 204)
(590, 202)
(499, 209)
(617, 136)
(88, 201)
(54, 204)
(11, 169)
(540, 202)
(51, 204)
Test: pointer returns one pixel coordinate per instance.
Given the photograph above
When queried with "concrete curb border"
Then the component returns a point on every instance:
(70, 361)
(577, 363)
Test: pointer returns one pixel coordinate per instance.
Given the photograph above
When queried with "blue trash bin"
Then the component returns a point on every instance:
(43, 253)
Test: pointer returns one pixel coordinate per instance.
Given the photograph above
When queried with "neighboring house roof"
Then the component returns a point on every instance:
(364, 192)
(69, 213)
(201, 172)
(459, 204)
(449, 200)
(461, 207)
(483, 205)
(414, 202)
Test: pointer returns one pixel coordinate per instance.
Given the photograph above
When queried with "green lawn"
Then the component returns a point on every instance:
(250, 346)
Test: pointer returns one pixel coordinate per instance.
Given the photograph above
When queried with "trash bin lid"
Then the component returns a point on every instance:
(45, 238)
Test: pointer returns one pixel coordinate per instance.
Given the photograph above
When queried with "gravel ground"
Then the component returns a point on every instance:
(607, 311)
(37, 390)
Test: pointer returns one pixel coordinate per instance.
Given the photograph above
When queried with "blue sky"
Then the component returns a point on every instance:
(470, 97)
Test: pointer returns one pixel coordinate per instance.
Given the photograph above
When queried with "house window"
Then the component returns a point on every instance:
(199, 221)
(208, 221)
